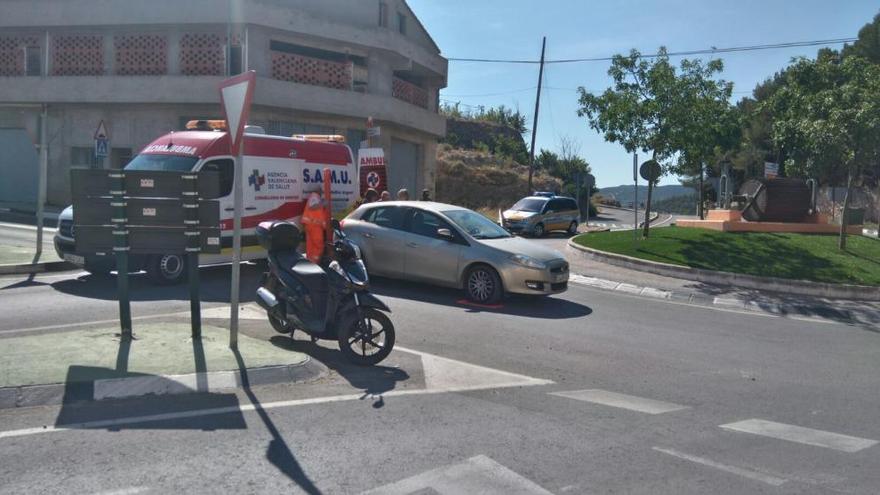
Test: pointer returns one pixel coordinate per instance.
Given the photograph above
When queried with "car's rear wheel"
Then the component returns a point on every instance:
(483, 285)
(538, 230)
(166, 269)
(573, 228)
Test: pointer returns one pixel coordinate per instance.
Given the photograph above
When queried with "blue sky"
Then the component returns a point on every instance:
(513, 29)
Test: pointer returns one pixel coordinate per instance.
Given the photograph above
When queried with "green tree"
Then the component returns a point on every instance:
(868, 43)
(710, 129)
(646, 108)
(828, 115)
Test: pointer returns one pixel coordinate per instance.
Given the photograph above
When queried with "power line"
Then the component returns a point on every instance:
(492, 94)
(707, 51)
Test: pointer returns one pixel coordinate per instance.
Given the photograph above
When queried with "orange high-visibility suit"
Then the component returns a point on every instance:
(314, 221)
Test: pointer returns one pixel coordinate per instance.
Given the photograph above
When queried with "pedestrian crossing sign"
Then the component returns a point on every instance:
(101, 145)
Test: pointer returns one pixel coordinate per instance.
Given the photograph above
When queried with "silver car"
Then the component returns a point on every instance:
(454, 247)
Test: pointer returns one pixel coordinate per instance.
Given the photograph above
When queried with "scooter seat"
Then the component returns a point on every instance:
(310, 275)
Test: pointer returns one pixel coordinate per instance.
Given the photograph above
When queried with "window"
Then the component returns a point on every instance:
(235, 60)
(226, 169)
(401, 23)
(32, 61)
(354, 137)
(119, 157)
(83, 156)
(390, 217)
(533, 205)
(426, 224)
(478, 226)
(556, 205)
(160, 162)
(569, 204)
(383, 14)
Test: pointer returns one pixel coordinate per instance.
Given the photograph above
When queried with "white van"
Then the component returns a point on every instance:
(277, 172)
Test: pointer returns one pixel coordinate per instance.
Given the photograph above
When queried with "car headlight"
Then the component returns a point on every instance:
(528, 262)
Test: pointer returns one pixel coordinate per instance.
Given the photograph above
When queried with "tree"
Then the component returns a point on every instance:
(647, 108)
(828, 115)
(868, 43)
(711, 127)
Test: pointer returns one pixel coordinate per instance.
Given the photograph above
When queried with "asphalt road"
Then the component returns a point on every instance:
(647, 396)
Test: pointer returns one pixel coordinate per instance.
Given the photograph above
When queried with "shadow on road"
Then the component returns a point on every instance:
(373, 380)
(214, 286)
(552, 308)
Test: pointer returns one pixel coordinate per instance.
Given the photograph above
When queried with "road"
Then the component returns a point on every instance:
(622, 219)
(612, 393)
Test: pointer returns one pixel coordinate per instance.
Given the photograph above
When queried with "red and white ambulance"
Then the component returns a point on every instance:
(278, 173)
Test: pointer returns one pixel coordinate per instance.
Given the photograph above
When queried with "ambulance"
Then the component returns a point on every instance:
(278, 173)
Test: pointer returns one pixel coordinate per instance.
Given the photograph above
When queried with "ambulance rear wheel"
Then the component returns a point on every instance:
(166, 269)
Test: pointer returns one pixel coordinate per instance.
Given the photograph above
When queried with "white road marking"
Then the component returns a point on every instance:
(478, 474)
(752, 475)
(25, 227)
(478, 378)
(799, 434)
(126, 491)
(629, 288)
(623, 401)
(93, 323)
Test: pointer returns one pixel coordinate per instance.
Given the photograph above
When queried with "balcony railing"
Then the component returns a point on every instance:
(315, 71)
(409, 92)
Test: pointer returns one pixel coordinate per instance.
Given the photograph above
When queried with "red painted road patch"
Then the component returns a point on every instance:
(465, 302)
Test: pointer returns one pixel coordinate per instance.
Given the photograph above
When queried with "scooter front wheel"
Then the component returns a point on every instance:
(367, 339)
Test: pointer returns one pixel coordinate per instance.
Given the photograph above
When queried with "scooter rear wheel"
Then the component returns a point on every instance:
(367, 340)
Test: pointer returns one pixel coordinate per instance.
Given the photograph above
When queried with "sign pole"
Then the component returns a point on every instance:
(120, 236)
(193, 247)
(635, 197)
(236, 253)
(236, 94)
(41, 181)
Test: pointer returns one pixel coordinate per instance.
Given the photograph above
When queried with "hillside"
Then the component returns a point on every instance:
(481, 180)
(624, 193)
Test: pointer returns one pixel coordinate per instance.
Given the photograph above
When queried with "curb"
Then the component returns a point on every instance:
(26, 268)
(768, 284)
(140, 386)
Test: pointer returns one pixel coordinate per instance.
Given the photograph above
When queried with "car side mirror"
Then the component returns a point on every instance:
(445, 234)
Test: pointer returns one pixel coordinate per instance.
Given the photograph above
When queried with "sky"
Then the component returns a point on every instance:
(513, 29)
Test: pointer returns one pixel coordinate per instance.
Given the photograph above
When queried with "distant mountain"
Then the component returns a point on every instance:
(624, 194)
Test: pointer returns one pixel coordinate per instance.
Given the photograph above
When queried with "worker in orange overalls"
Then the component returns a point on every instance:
(314, 222)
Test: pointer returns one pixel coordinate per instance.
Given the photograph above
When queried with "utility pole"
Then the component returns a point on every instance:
(535, 121)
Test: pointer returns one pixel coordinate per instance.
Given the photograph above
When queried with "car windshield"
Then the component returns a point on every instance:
(171, 163)
(529, 204)
(478, 226)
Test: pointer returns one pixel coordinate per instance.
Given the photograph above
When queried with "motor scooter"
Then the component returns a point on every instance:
(330, 301)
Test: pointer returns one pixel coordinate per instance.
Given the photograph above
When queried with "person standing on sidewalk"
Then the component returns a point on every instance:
(314, 222)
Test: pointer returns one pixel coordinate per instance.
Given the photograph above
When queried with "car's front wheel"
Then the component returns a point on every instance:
(538, 230)
(483, 285)
(166, 269)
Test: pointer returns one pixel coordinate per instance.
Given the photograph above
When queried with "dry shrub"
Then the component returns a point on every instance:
(479, 180)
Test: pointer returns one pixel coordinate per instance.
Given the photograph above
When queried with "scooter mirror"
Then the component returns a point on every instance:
(335, 224)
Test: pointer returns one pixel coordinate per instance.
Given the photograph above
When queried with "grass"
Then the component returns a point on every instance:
(791, 256)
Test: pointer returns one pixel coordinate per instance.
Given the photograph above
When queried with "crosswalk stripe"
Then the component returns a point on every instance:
(799, 434)
(623, 401)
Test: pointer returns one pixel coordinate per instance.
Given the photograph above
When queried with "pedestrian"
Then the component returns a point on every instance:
(386, 196)
(403, 195)
(426, 195)
(371, 196)
(314, 222)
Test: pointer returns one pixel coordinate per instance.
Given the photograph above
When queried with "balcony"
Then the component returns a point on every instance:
(314, 71)
(409, 92)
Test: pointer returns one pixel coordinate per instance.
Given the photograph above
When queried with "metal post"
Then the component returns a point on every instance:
(193, 247)
(236, 253)
(535, 122)
(121, 248)
(41, 179)
(635, 197)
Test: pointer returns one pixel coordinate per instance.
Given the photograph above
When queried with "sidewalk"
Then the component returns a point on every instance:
(18, 248)
(88, 363)
(610, 277)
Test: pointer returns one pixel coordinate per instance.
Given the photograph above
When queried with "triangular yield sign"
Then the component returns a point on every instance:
(233, 102)
(236, 93)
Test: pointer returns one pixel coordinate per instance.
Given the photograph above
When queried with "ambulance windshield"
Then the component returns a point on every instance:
(171, 163)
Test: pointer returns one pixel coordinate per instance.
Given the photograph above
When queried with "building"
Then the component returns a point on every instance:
(145, 68)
